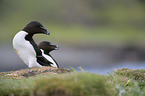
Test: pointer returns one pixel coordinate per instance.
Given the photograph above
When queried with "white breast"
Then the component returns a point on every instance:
(25, 50)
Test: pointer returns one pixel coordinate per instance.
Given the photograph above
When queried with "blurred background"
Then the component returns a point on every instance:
(97, 35)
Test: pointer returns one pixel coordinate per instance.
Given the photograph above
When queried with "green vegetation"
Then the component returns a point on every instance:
(101, 35)
(74, 84)
(82, 35)
(100, 22)
(123, 82)
(127, 82)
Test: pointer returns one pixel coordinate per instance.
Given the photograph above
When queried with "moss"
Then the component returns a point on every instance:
(18, 83)
(75, 84)
(52, 84)
(48, 81)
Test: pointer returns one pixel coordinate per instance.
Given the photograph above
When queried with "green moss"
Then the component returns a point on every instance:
(74, 84)
(9, 87)
(123, 82)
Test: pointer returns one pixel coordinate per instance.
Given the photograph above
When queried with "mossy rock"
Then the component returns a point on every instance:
(45, 82)
(25, 73)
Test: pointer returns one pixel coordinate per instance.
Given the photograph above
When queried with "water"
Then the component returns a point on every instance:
(106, 70)
(94, 61)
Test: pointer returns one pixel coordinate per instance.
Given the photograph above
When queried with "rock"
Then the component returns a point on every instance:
(25, 73)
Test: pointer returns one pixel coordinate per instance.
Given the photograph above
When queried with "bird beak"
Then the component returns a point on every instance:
(47, 32)
(57, 47)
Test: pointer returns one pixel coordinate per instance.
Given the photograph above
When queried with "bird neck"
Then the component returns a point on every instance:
(29, 37)
(45, 52)
(35, 46)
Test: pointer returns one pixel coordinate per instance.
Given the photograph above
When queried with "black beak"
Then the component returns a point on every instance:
(47, 32)
(56, 47)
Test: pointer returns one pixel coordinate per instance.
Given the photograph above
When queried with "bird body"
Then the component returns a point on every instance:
(46, 47)
(27, 49)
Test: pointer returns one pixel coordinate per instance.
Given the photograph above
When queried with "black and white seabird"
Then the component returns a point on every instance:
(46, 47)
(27, 49)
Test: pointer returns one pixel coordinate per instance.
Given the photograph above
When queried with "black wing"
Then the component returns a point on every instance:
(53, 60)
(43, 61)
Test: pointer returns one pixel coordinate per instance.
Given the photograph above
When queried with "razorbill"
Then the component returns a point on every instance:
(46, 47)
(27, 49)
